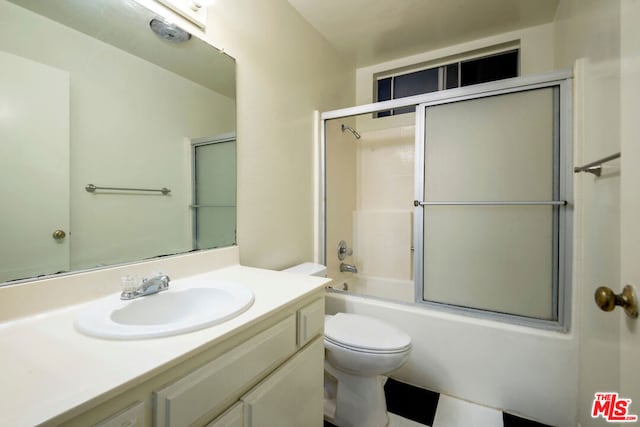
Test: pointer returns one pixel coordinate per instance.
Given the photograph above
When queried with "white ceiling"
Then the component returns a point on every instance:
(368, 32)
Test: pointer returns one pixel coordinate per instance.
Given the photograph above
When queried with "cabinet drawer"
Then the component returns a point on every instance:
(310, 321)
(133, 416)
(232, 418)
(208, 390)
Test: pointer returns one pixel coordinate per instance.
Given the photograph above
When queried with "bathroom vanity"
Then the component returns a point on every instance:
(261, 368)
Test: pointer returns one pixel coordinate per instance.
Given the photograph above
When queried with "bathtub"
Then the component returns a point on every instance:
(379, 287)
(525, 371)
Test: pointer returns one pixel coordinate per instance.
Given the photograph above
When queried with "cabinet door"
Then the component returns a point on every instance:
(207, 391)
(232, 418)
(292, 395)
(310, 321)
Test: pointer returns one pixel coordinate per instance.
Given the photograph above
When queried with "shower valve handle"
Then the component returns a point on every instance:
(343, 250)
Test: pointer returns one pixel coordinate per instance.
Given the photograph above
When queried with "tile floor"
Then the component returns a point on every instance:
(452, 413)
(411, 406)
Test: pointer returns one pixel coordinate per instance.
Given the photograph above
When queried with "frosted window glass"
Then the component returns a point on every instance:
(497, 258)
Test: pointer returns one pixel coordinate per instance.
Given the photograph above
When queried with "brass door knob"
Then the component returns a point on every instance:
(59, 234)
(607, 300)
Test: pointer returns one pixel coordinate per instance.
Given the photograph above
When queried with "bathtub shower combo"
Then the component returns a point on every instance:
(462, 204)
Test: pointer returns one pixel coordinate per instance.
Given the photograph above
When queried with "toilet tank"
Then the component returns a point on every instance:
(308, 269)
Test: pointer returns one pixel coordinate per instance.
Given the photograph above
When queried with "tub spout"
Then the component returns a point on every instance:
(348, 268)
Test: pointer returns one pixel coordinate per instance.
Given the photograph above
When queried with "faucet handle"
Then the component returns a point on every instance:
(129, 285)
(343, 250)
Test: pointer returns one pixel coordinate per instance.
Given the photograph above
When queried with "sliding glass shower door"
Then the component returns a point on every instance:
(488, 232)
(214, 192)
(491, 224)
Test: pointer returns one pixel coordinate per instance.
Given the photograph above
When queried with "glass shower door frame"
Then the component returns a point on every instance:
(562, 197)
(194, 206)
(561, 79)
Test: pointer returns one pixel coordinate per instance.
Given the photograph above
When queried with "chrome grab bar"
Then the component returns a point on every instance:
(211, 206)
(595, 167)
(493, 203)
(92, 188)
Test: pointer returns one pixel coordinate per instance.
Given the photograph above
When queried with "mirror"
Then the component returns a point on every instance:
(89, 95)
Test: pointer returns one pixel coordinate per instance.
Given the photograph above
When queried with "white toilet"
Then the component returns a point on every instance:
(358, 350)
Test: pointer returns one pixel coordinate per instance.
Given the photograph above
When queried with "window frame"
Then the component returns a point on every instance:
(442, 75)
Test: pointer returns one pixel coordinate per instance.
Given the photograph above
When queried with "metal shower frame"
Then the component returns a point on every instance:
(562, 81)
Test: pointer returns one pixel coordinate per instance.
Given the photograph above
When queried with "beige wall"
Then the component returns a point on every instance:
(285, 71)
(589, 32)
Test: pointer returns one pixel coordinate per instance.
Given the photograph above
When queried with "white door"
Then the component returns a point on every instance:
(630, 197)
(34, 168)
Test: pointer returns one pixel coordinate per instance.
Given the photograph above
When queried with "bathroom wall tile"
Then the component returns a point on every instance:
(382, 243)
(385, 169)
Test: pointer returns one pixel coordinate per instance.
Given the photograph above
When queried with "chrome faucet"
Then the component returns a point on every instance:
(349, 268)
(147, 287)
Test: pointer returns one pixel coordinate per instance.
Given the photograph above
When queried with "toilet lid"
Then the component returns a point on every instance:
(366, 333)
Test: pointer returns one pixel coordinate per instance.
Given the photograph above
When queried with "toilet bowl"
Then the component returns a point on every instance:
(358, 351)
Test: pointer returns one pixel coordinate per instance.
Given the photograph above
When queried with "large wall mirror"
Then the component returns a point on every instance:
(90, 95)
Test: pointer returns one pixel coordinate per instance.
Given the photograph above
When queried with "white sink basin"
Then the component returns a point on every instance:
(195, 305)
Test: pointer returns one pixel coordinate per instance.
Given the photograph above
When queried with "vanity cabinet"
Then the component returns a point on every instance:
(291, 396)
(270, 374)
(207, 390)
(234, 417)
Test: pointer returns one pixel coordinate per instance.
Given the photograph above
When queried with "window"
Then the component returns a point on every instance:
(490, 68)
(503, 65)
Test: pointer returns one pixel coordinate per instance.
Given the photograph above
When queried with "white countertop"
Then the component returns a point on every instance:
(48, 368)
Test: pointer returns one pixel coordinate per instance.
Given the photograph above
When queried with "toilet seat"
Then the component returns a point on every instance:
(365, 334)
(366, 351)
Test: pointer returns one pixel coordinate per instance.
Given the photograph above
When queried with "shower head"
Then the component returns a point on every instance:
(350, 129)
(169, 32)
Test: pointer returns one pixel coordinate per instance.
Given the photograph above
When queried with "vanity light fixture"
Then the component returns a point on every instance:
(169, 31)
(192, 10)
(199, 4)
